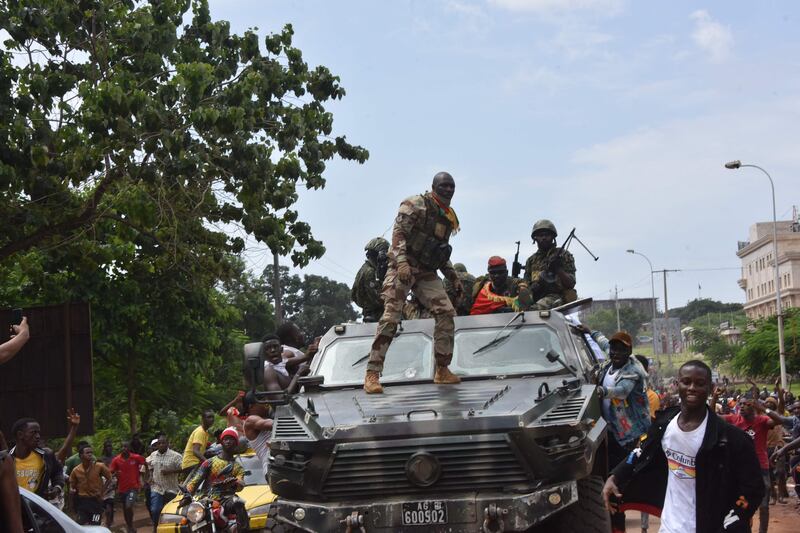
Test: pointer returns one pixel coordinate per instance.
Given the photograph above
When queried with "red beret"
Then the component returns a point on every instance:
(496, 261)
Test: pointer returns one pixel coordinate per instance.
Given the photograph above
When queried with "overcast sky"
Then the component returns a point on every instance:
(611, 116)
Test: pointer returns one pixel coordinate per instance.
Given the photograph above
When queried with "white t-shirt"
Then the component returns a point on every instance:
(260, 445)
(680, 504)
(295, 351)
(280, 368)
(608, 382)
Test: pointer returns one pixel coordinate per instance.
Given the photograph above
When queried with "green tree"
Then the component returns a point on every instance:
(716, 351)
(250, 296)
(605, 320)
(325, 303)
(759, 353)
(314, 303)
(704, 306)
(133, 134)
(110, 109)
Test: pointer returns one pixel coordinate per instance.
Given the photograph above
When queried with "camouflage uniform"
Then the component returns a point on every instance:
(549, 295)
(366, 292)
(414, 310)
(462, 303)
(420, 232)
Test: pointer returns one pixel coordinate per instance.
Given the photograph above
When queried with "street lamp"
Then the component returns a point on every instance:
(778, 307)
(653, 297)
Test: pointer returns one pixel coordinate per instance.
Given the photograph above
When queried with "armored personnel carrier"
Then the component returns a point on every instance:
(518, 445)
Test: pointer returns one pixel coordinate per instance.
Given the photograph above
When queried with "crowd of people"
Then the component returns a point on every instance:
(703, 456)
(90, 486)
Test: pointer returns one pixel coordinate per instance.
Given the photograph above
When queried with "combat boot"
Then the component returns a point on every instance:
(372, 384)
(443, 376)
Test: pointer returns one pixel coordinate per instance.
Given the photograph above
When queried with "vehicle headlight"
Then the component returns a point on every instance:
(195, 512)
(261, 509)
(168, 518)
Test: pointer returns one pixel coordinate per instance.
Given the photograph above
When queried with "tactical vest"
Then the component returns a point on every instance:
(428, 242)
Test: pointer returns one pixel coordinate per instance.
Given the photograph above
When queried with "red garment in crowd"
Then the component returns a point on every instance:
(487, 302)
(127, 471)
(757, 429)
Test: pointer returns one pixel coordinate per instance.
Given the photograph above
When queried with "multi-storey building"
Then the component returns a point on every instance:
(758, 270)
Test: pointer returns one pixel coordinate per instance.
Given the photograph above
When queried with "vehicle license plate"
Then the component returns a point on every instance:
(424, 513)
(198, 525)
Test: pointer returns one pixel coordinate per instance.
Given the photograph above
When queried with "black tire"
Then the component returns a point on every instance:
(587, 515)
(274, 526)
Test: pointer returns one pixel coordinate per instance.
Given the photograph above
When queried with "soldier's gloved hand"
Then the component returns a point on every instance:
(555, 263)
(404, 272)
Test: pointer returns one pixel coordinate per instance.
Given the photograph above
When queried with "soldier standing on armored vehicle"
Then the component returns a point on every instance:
(550, 272)
(366, 292)
(419, 248)
(499, 293)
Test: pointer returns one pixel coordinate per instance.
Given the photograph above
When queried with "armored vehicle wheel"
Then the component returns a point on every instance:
(273, 526)
(588, 515)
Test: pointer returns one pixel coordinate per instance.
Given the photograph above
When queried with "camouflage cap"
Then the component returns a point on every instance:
(460, 267)
(544, 224)
(377, 244)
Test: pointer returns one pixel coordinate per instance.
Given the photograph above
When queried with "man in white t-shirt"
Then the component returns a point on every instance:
(698, 471)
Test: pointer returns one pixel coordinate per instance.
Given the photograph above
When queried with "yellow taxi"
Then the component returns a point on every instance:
(256, 495)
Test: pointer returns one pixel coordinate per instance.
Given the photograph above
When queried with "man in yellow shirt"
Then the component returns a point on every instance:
(196, 445)
(38, 470)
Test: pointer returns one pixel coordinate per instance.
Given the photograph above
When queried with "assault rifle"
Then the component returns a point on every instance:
(549, 276)
(516, 267)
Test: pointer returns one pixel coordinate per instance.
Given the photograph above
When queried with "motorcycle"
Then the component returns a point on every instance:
(205, 515)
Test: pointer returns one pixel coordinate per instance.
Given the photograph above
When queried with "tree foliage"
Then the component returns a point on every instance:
(605, 320)
(110, 109)
(314, 303)
(759, 353)
(135, 138)
(701, 307)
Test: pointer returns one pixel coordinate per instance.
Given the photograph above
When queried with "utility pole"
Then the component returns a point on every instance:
(276, 289)
(666, 317)
(616, 305)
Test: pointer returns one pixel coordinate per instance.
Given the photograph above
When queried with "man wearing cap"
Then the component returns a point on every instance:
(622, 389)
(223, 477)
(550, 272)
(499, 293)
(420, 247)
(366, 292)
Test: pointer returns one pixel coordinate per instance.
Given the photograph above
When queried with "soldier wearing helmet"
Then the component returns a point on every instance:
(462, 302)
(550, 276)
(366, 292)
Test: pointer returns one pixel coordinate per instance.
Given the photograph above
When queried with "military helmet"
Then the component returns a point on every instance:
(377, 244)
(544, 224)
(460, 267)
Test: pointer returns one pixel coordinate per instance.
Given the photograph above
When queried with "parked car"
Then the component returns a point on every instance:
(40, 516)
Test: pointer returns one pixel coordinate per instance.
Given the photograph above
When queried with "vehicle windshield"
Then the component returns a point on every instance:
(523, 350)
(410, 356)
